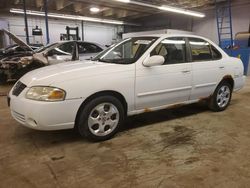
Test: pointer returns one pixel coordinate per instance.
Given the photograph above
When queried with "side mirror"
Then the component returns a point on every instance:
(154, 61)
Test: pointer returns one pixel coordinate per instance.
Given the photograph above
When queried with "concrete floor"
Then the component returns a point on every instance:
(184, 147)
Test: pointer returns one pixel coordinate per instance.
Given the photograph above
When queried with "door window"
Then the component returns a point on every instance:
(63, 49)
(200, 49)
(67, 47)
(216, 54)
(172, 49)
(88, 48)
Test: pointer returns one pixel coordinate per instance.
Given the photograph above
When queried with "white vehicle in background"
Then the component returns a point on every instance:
(155, 32)
(62, 51)
(22, 59)
(137, 75)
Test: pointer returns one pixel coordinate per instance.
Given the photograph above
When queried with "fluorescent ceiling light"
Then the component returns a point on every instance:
(166, 41)
(166, 8)
(199, 43)
(70, 17)
(182, 11)
(94, 9)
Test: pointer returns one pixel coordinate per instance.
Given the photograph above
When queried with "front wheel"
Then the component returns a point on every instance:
(101, 118)
(221, 98)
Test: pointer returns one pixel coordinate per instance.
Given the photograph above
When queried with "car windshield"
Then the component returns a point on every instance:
(126, 52)
(45, 47)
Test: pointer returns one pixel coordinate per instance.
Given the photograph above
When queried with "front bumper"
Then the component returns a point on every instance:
(44, 115)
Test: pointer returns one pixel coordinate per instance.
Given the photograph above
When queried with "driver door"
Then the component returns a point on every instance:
(165, 84)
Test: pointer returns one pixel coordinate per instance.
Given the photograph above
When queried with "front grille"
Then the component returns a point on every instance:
(18, 116)
(19, 87)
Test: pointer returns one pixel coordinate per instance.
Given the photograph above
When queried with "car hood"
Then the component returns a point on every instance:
(17, 40)
(50, 75)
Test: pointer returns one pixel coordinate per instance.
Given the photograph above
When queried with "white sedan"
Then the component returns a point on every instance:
(137, 75)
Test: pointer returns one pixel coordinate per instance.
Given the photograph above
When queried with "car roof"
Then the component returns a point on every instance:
(66, 41)
(169, 35)
(163, 36)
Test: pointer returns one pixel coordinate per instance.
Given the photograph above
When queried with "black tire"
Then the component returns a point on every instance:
(214, 102)
(82, 125)
(3, 78)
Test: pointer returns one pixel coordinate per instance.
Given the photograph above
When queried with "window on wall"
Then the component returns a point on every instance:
(200, 49)
(172, 49)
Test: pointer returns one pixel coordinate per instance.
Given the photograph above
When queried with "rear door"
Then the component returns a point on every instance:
(207, 67)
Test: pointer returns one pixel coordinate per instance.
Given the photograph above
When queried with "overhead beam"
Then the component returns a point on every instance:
(78, 7)
(116, 5)
(124, 14)
(46, 20)
(61, 4)
(17, 2)
(108, 12)
(26, 22)
(39, 3)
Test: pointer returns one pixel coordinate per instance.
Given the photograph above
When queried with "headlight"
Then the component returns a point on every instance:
(41, 93)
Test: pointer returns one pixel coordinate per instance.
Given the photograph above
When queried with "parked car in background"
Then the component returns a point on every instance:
(67, 51)
(137, 75)
(18, 49)
(24, 59)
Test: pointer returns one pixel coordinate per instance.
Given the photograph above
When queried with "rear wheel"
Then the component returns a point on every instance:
(221, 97)
(101, 118)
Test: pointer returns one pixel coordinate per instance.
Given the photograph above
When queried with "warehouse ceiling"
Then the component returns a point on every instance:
(109, 9)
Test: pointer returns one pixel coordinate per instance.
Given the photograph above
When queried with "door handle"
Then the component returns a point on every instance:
(186, 71)
(222, 67)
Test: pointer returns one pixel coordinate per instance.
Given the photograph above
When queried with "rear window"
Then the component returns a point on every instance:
(202, 50)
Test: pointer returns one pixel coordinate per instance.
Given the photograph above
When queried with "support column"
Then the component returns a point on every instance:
(46, 20)
(26, 22)
(82, 30)
(249, 36)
